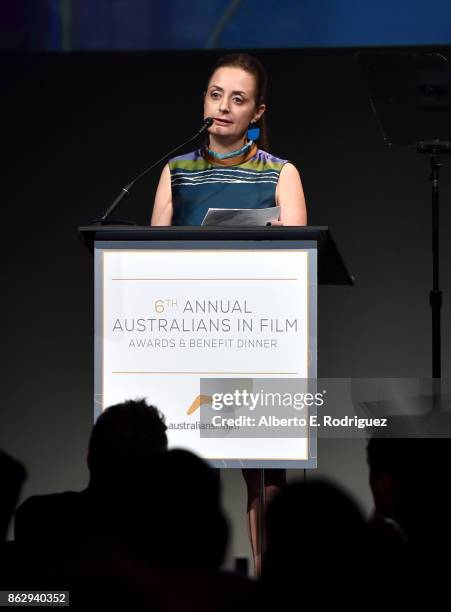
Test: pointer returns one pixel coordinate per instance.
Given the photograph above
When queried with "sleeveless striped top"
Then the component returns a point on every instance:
(199, 182)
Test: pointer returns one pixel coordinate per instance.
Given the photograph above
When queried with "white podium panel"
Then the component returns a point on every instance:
(168, 314)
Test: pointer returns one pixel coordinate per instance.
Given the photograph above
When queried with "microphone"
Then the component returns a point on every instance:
(208, 121)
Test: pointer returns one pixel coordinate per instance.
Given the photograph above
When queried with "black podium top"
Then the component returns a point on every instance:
(331, 267)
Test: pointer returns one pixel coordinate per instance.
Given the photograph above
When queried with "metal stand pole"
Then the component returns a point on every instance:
(435, 296)
(434, 149)
(261, 516)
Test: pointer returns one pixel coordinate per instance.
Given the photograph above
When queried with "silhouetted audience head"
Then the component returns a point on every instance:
(126, 442)
(384, 457)
(409, 480)
(310, 528)
(124, 436)
(146, 510)
(12, 476)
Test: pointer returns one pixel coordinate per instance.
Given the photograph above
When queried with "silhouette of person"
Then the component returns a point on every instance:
(60, 528)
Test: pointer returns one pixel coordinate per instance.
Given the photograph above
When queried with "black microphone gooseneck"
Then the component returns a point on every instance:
(126, 190)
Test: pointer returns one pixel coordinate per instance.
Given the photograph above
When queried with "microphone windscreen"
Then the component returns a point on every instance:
(206, 124)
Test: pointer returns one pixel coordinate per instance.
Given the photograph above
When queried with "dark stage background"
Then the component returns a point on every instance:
(76, 127)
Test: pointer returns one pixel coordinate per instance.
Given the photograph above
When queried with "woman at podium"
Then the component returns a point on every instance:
(233, 169)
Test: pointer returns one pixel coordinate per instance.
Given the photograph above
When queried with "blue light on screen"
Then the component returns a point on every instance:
(64, 25)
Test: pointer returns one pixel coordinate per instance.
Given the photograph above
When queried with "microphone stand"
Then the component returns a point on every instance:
(434, 149)
(126, 190)
(410, 96)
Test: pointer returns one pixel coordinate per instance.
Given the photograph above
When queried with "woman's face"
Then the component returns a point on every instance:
(230, 101)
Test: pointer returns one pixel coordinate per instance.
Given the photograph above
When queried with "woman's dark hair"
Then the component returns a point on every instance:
(253, 66)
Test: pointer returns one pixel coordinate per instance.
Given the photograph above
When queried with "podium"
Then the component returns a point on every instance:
(209, 324)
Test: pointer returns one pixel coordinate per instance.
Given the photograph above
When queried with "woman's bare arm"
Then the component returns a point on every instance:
(162, 207)
(290, 197)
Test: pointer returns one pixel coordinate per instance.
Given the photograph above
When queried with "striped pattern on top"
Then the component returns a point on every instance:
(198, 184)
